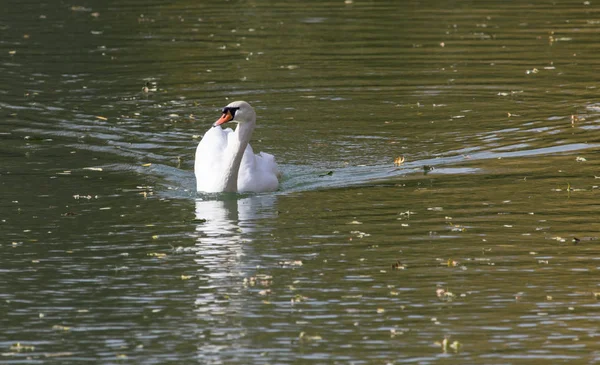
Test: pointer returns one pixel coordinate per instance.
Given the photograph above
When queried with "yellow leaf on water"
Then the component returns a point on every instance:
(157, 254)
(101, 117)
(185, 277)
(18, 347)
(147, 164)
(59, 327)
(58, 354)
(399, 160)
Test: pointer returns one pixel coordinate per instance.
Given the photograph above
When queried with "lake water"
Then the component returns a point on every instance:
(481, 247)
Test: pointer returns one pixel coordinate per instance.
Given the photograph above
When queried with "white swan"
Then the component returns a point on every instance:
(225, 161)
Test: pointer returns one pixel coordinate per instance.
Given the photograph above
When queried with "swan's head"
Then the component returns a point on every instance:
(238, 111)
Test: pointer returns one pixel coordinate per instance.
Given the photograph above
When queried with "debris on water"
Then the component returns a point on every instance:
(456, 227)
(93, 168)
(19, 348)
(452, 263)
(399, 160)
(88, 197)
(406, 214)
(455, 345)
(180, 249)
(147, 164)
(393, 333)
(186, 277)
(360, 234)
(355, 222)
(576, 119)
(58, 354)
(59, 327)
(80, 8)
(380, 310)
(101, 117)
(259, 279)
(149, 86)
(264, 292)
(445, 295)
(157, 255)
(328, 173)
(576, 240)
(532, 71)
(298, 299)
(304, 337)
(580, 159)
(398, 265)
(290, 263)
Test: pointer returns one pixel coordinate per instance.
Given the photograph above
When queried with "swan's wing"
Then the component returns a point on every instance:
(266, 162)
(258, 173)
(209, 153)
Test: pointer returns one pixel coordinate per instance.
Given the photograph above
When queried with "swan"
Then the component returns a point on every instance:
(225, 161)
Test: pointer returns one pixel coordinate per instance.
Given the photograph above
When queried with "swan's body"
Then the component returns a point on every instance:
(225, 162)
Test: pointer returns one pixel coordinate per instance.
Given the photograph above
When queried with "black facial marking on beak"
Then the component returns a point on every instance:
(232, 110)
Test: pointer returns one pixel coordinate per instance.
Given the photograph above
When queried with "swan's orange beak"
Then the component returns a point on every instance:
(226, 117)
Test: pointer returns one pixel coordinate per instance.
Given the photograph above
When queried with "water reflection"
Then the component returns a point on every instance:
(222, 245)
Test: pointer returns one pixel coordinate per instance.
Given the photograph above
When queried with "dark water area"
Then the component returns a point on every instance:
(481, 247)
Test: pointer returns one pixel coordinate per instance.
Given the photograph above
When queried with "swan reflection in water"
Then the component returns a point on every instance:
(224, 236)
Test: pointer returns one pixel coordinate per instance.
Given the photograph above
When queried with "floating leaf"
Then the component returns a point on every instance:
(455, 346)
(399, 160)
(291, 263)
(328, 173)
(157, 254)
(398, 265)
(60, 328)
(18, 347)
(304, 337)
(58, 354)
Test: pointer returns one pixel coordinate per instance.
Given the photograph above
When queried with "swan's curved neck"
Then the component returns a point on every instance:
(235, 152)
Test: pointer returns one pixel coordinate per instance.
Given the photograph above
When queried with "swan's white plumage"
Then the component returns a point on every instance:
(218, 160)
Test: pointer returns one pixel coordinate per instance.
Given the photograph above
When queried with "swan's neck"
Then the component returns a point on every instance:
(235, 151)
